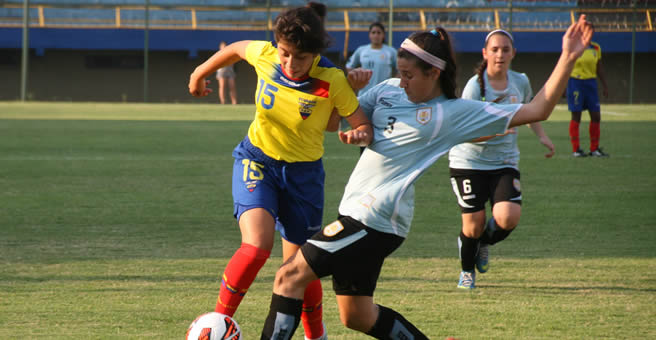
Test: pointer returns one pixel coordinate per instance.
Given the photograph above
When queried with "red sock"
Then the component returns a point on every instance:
(312, 315)
(238, 277)
(574, 134)
(595, 133)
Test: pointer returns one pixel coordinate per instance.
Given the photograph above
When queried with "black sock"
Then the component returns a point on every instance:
(283, 319)
(493, 233)
(468, 252)
(391, 325)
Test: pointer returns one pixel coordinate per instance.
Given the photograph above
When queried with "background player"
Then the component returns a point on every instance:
(226, 76)
(582, 94)
(489, 170)
(377, 57)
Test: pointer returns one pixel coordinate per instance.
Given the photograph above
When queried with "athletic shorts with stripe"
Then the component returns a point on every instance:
(291, 192)
(352, 253)
(475, 187)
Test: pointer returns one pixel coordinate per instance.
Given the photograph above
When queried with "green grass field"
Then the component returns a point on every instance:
(116, 221)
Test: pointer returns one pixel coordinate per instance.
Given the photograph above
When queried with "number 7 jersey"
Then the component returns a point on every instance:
(292, 114)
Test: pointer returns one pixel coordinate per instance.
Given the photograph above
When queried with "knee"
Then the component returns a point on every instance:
(355, 321)
(507, 221)
(595, 117)
(473, 224)
(286, 280)
(473, 232)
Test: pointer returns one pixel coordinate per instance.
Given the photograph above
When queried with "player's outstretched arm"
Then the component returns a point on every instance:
(224, 57)
(575, 41)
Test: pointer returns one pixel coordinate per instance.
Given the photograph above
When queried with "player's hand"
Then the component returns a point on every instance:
(511, 131)
(198, 86)
(577, 38)
(359, 78)
(354, 136)
(549, 145)
(487, 138)
(605, 92)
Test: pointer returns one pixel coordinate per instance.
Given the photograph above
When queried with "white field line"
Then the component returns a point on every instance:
(614, 113)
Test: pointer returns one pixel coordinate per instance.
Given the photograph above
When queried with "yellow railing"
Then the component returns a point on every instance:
(622, 23)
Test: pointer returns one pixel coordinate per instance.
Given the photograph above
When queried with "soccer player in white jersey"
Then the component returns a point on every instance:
(488, 170)
(416, 119)
(376, 56)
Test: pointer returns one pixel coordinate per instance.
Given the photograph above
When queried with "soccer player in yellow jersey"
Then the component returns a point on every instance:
(582, 95)
(278, 176)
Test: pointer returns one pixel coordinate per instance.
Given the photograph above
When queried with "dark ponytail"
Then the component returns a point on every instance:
(480, 71)
(438, 43)
(319, 8)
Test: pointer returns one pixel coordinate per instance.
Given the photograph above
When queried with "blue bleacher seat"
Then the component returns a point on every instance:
(10, 16)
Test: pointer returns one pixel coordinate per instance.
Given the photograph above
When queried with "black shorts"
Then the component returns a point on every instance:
(352, 253)
(475, 187)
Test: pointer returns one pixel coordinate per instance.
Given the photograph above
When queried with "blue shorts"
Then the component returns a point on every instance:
(291, 192)
(582, 94)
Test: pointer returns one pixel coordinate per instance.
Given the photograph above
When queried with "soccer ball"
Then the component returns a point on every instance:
(214, 326)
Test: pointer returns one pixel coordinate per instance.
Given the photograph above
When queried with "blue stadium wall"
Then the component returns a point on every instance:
(59, 67)
(204, 40)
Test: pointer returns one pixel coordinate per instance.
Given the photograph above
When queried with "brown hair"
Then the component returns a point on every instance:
(482, 66)
(303, 28)
(438, 43)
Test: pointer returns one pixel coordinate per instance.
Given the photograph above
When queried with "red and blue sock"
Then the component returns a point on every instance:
(312, 315)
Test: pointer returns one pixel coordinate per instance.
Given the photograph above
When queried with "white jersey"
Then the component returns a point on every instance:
(408, 138)
(498, 152)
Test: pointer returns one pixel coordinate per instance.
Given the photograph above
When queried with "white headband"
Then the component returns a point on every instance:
(500, 31)
(423, 55)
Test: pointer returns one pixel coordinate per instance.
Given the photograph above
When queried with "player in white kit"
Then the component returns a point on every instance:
(416, 119)
(489, 170)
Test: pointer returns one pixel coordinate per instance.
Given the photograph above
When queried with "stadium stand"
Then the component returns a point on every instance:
(193, 28)
(346, 20)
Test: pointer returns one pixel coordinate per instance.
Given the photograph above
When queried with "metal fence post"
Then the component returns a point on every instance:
(146, 48)
(390, 22)
(633, 46)
(26, 48)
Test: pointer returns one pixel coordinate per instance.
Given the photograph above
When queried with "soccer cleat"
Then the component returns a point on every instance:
(599, 153)
(323, 337)
(579, 153)
(467, 279)
(482, 258)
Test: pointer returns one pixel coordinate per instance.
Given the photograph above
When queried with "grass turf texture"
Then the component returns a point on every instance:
(115, 222)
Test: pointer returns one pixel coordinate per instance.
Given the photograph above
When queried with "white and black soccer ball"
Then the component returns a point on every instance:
(214, 326)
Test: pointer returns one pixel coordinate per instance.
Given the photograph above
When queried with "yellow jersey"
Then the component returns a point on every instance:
(292, 114)
(586, 65)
